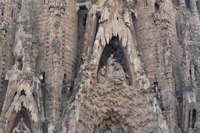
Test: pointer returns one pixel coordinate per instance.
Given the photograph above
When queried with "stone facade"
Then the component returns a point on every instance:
(100, 66)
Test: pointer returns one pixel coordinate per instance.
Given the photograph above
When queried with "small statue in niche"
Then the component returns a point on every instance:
(21, 127)
(118, 71)
(110, 64)
(115, 70)
(102, 75)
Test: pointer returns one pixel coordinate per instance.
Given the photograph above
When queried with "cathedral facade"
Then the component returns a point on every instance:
(100, 66)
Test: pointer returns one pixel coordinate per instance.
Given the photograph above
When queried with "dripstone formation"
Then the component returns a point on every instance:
(100, 66)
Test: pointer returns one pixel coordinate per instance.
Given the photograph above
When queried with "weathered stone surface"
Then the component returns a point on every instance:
(99, 66)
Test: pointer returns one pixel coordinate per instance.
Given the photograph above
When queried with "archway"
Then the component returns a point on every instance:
(113, 51)
(22, 121)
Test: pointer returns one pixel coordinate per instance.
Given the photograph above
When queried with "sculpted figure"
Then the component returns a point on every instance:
(102, 74)
(110, 64)
(118, 71)
(18, 50)
(106, 13)
(26, 60)
(21, 127)
(115, 70)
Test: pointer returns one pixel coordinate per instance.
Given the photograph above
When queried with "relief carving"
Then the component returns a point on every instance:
(57, 7)
(112, 71)
(102, 75)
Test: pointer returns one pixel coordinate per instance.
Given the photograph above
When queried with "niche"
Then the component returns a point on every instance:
(189, 119)
(67, 88)
(157, 7)
(43, 77)
(198, 6)
(188, 4)
(82, 20)
(2, 9)
(158, 95)
(113, 63)
(179, 29)
(193, 118)
(23, 93)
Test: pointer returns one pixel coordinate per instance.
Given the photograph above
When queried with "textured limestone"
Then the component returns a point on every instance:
(99, 66)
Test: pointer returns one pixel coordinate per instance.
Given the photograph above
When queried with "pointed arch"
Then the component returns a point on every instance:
(26, 118)
(119, 54)
(15, 118)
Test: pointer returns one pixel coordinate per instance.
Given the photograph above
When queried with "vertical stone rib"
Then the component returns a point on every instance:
(61, 45)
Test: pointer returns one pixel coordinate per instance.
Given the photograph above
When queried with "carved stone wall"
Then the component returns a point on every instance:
(99, 66)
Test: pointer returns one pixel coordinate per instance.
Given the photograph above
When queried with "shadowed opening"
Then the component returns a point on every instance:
(188, 4)
(113, 50)
(22, 115)
(193, 117)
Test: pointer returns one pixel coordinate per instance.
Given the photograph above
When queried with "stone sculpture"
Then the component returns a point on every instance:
(102, 66)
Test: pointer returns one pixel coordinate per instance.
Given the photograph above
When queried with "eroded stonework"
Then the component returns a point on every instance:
(100, 66)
